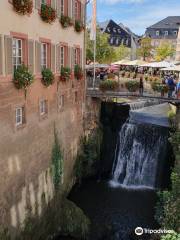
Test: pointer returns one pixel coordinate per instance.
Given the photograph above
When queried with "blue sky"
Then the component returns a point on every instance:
(136, 14)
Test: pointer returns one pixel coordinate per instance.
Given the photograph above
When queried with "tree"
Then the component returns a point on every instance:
(146, 48)
(163, 51)
(104, 52)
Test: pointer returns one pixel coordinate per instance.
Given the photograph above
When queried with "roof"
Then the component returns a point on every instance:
(169, 22)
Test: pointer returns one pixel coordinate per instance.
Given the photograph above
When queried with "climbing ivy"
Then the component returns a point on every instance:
(57, 161)
(88, 156)
(168, 205)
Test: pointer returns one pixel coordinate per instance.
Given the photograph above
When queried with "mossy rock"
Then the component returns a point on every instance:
(74, 222)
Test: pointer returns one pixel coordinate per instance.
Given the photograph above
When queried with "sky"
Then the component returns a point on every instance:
(135, 14)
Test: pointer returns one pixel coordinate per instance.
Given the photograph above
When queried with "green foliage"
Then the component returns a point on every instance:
(163, 51)
(78, 73)
(88, 156)
(4, 234)
(104, 52)
(159, 87)
(78, 26)
(65, 73)
(109, 85)
(22, 77)
(47, 77)
(73, 221)
(65, 21)
(171, 236)
(145, 49)
(168, 205)
(57, 161)
(23, 7)
(132, 85)
(48, 14)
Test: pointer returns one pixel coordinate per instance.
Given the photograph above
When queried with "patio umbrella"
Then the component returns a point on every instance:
(97, 66)
(162, 64)
(175, 69)
(121, 62)
(136, 62)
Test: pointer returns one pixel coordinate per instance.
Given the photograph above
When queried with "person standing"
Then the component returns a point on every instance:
(171, 86)
(141, 86)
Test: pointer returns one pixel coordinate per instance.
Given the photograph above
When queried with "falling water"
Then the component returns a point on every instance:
(137, 155)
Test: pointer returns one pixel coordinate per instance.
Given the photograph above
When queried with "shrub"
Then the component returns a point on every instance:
(65, 73)
(78, 73)
(23, 6)
(48, 14)
(22, 77)
(65, 21)
(159, 87)
(47, 77)
(132, 86)
(78, 26)
(171, 236)
(109, 85)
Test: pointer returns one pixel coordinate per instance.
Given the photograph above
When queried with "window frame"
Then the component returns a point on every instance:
(62, 56)
(44, 59)
(61, 102)
(16, 56)
(166, 33)
(157, 33)
(43, 106)
(76, 56)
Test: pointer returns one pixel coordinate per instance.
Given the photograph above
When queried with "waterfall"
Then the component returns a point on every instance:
(138, 152)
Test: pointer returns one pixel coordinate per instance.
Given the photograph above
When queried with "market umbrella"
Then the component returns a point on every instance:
(121, 62)
(175, 69)
(162, 64)
(136, 62)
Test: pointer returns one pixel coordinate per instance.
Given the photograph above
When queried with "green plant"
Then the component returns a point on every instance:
(78, 26)
(78, 73)
(65, 73)
(159, 87)
(23, 6)
(88, 156)
(47, 77)
(109, 85)
(57, 161)
(22, 78)
(132, 85)
(171, 236)
(4, 234)
(65, 21)
(48, 14)
(146, 78)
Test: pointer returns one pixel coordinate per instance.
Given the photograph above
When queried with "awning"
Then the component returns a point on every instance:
(97, 66)
(162, 64)
(135, 63)
(175, 69)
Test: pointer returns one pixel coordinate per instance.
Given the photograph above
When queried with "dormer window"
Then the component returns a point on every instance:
(157, 33)
(166, 33)
(114, 30)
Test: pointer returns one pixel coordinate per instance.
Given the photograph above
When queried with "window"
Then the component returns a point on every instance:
(176, 33)
(111, 40)
(157, 33)
(62, 7)
(20, 119)
(166, 33)
(62, 56)
(17, 52)
(44, 48)
(114, 30)
(77, 56)
(77, 10)
(43, 107)
(117, 41)
(76, 97)
(60, 102)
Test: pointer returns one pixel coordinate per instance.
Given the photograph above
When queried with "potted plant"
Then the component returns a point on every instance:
(23, 6)
(47, 77)
(78, 73)
(65, 73)
(48, 14)
(22, 78)
(65, 21)
(78, 26)
(108, 85)
(132, 85)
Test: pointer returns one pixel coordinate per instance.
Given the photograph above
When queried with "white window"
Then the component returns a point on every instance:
(117, 41)
(62, 7)
(76, 56)
(114, 30)
(62, 56)
(17, 52)
(111, 41)
(44, 48)
(157, 33)
(166, 33)
(19, 116)
(61, 102)
(43, 107)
